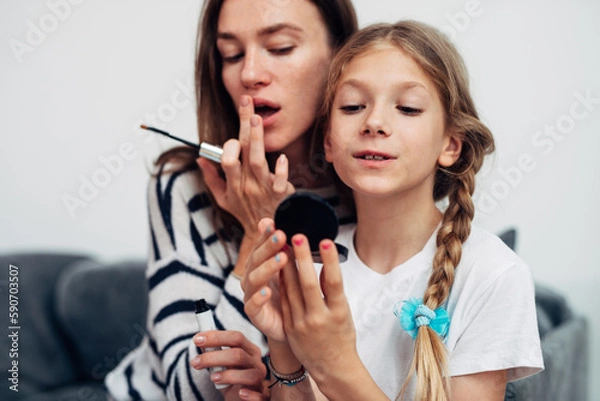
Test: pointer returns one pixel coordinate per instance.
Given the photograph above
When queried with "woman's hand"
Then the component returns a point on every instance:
(245, 371)
(250, 192)
(260, 282)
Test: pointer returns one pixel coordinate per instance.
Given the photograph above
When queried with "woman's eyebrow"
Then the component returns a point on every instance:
(269, 30)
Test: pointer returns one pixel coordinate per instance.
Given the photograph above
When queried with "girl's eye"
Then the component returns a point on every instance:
(409, 111)
(282, 51)
(233, 59)
(351, 109)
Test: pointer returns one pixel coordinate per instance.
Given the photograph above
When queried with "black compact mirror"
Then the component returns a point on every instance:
(308, 214)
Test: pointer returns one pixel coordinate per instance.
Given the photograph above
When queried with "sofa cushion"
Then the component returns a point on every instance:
(44, 357)
(102, 309)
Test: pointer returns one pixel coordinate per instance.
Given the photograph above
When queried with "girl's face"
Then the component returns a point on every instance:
(278, 53)
(387, 133)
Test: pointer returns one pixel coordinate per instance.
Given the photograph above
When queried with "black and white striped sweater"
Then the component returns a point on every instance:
(186, 262)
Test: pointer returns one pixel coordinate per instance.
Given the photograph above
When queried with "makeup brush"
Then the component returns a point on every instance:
(206, 150)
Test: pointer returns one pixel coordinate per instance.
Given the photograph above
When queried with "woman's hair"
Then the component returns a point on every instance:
(217, 117)
(441, 62)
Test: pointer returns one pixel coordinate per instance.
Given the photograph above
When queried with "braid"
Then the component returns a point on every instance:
(430, 359)
(454, 231)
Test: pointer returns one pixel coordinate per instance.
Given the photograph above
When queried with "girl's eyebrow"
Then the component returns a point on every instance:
(269, 30)
(406, 85)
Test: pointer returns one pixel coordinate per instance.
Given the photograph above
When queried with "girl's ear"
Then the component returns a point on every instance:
(451, 150)
(327, 147)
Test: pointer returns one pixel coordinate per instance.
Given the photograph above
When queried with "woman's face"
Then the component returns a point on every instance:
(277, 52)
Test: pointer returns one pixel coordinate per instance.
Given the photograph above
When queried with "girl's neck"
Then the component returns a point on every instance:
(391, 231)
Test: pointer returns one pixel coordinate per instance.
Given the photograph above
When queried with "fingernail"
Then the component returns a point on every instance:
(215, 377)
(326, 245)
(196, 362)
(245, 101)
(277, 258)
(263, 292)
(285, 248)
(298, 241)
(268, 230)
(199, 340)
(275, 239)
(244, 393)
(254, 120)
(281, 159)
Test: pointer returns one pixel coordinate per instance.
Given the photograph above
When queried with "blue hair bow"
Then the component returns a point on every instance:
(415, 314)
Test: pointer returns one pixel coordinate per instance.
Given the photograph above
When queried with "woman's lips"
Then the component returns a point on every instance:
(267, 110)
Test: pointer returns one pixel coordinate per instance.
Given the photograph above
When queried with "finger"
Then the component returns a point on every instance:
(230, 162)
(253, 305)
(245, 111)
(226, 338)
(280, 179)
(250, 395)
(291, 282)
(260, 276)
(229, 357)
(215, 184)
(286, 312)
(331, 275)
(246, 377)
(309, 282)
(268, 244)
(257, 159)
(267, 238)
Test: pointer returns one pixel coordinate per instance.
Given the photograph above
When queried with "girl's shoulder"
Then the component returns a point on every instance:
(487, 259)
(483, 244)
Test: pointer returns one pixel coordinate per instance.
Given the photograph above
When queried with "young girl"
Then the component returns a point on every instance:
(427, 307)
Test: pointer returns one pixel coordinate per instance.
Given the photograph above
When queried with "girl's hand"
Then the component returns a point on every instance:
(245, 371)
(251, 192)
(316, 316)
(260, 282)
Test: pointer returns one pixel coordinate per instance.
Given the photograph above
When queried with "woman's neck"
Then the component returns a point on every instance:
(301, 172)
(391, 231)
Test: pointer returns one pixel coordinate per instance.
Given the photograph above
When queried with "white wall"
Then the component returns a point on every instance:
(73, 95)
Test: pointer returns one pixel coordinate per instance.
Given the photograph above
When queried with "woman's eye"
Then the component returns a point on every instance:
(351, 109)
(410, 111)
(233, 59)
(282, 51)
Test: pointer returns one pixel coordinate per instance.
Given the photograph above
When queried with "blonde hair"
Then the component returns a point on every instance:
(442, 63)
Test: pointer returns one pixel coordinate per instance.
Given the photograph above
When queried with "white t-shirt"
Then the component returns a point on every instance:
(493, 322)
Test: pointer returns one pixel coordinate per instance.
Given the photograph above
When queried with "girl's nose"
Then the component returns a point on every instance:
(376, 123)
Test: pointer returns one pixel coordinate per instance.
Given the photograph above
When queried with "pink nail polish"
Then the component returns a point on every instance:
(326, 245)
(298, 241)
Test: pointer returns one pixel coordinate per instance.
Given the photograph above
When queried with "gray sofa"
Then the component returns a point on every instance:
(79, 317)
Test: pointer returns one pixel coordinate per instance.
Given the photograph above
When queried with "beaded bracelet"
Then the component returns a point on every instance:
(287, 379)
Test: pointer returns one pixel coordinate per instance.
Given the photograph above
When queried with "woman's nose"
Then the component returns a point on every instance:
(254, 70)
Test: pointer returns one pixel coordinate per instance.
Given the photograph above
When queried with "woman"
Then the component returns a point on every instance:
(268, 60)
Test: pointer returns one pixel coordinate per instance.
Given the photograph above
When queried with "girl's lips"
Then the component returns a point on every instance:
(372, 155)
(373, 159)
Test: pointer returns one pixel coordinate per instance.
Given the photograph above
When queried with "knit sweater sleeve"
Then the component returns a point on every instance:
(188, 260)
